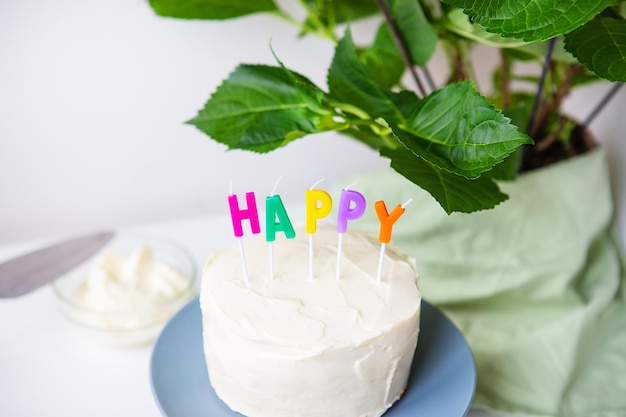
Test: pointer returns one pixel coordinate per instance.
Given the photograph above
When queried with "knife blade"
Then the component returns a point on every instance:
(21, 275)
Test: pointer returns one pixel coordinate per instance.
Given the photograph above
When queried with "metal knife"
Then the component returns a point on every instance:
(28, 272)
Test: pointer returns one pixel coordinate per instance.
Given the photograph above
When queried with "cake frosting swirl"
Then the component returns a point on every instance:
(321, 347)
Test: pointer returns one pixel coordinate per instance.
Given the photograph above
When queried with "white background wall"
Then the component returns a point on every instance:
(93, 96)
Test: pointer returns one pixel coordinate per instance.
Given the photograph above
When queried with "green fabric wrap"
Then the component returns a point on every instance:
(535, 285)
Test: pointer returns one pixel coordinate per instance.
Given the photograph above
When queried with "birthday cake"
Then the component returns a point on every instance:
(282, 342)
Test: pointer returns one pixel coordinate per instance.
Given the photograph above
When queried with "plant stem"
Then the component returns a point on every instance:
(322, 29)
(456, 53)
(397, 36)
(552, 107)
(287, 18)
(429, 78)
(605, 100)
(530, 129)
(504, 79)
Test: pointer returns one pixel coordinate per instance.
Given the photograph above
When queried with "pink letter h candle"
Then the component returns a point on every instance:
(239, 215)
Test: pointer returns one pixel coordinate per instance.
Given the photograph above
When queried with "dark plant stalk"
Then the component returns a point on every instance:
(404, 51)
(554, 105)
(504, 79)
(530, 129)
(429, 78)
(605, 100)
(459, 67)
(540, 86)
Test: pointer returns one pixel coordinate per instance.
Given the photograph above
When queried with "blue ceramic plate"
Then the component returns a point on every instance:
(441, 384)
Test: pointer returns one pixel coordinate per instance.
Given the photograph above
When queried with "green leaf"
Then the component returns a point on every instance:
(405, 101)
(531, 20)
(519, 112)
(210, 9)
(351, 10)
(453, 192)
(342, 11)
(419, 36)
(601, 46)
(508, 169)
(349, 81)
(383, 59)
(261, 108)
(458, 22)
(458, 130)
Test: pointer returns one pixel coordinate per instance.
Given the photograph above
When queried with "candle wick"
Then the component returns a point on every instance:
(275, 186)
(349, 185)
(406, 203)
(316, 183)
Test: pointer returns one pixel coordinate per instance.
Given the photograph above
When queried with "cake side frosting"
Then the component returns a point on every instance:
(323, 347)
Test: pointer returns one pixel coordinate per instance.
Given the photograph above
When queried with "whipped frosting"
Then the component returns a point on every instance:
(119, 284)
(323, 347)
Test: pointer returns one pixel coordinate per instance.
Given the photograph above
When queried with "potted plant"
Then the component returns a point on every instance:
(534, 284)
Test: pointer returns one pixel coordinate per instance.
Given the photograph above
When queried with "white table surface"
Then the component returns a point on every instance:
(49, 367)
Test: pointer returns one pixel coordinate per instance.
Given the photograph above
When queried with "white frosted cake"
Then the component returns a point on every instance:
(322, 347)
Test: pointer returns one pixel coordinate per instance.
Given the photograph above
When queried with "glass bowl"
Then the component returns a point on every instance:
(131, 310)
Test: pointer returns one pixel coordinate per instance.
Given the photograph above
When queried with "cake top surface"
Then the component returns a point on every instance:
(311, 314)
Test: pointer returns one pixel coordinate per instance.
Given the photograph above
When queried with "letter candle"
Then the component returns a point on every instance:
(237, 216)
(386, 224)
(315, 211)
(351, 207)
(276, 219)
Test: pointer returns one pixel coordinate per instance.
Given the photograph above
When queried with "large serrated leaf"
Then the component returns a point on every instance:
(260, 108)
(421, 39)
(453, 192)
(406, 101)
(342, 11)
(601, 46)
(349, 81)
(210, 9)
(458, 130)
(531, 20)
(383, 59)
(458, 22)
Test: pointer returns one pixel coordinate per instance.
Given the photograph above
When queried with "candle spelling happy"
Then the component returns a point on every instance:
(318, 204)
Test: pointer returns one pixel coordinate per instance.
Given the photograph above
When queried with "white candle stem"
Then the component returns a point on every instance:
(381, 259)
(243, 260)
(339, 245)
(271, 261)
(311, 257)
